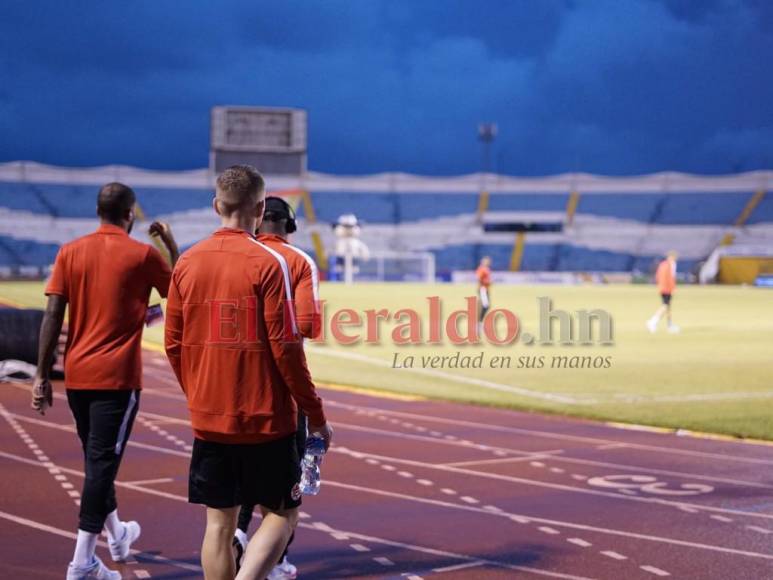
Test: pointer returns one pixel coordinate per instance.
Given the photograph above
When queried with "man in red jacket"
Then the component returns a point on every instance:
(278, 223)
(106, 278)
(243, 377)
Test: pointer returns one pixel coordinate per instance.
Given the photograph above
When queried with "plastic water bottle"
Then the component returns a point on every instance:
(312, 459)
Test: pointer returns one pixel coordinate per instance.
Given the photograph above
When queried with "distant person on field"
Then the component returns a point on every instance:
(483, 274)
(665, 278)
(106, 278)
(233, 342)
(277, 225)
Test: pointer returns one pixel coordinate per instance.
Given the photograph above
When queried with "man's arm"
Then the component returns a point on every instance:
(51, 327)
(287, 350)
(307, 306)
(163, 231)
(173, 331)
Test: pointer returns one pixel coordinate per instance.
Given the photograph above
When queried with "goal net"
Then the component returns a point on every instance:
(393, 267)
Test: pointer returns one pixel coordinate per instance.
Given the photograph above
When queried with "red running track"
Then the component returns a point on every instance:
(416, 489)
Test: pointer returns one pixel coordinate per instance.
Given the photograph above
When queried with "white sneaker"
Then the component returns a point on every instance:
(119, 549)
(239, 545)
(674, 329)
(652, 325)
(97, 571)
(283, 571)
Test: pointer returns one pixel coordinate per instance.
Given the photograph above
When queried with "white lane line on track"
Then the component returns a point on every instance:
(759, 529)
(561, 486)
(152, 481)
(556, 523)
(558, 436)
(359, 548)
(655, 571)
(525, 481)
(579, 542)
(383, 561)
(503, 460)
(44, 460)
(353, 535)
(457, 567)
(468, 499)
(613, 555)
(548, 530)
(72, 536)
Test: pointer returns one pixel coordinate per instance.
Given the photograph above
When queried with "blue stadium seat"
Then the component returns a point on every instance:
(697, 209)
(528, 202)
(418, 206)
(632, 206)
(15, 252)
(579, 259)
(375, 208)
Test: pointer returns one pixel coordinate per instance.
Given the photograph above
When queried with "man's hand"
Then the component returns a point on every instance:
(164, 231)
(42, 395)
(161, 229)
(324, 431)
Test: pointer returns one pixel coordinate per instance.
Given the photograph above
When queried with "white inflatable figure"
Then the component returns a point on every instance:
(349, 246)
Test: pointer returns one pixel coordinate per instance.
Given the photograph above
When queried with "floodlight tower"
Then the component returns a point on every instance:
(487, 132)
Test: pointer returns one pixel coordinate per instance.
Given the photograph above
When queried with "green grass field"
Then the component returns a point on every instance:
(716, 375)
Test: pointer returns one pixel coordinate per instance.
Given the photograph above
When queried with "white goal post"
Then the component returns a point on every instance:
(388, 266)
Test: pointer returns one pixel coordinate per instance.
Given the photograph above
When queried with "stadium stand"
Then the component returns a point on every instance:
(619, 225)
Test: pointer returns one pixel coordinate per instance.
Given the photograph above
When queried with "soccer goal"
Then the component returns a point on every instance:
(394, 267)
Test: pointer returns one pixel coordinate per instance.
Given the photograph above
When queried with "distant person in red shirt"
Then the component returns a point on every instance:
(483, 274)
(665, 278)
(278, 224)
(106, 278)
(244, 378)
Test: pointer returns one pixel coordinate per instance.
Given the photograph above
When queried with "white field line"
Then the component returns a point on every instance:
(555, 397)
(549, 434)
(327, 529)
(635, 399)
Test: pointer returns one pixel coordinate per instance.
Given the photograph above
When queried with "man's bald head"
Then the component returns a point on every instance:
(240, 187)
(115, 202)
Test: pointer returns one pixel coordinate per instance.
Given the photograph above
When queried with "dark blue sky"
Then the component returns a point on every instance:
(605, 86)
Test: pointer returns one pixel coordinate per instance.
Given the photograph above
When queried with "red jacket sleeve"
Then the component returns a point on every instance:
(285, 342)
(158, 271)
(307, 307)
(173, 331)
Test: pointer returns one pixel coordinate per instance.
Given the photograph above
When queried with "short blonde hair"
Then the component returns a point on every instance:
(238, 187)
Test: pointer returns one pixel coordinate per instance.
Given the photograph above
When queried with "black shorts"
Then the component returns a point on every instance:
(228, 475)
(666, 299)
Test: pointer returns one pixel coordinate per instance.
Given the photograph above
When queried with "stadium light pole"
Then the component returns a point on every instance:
(486, 134)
